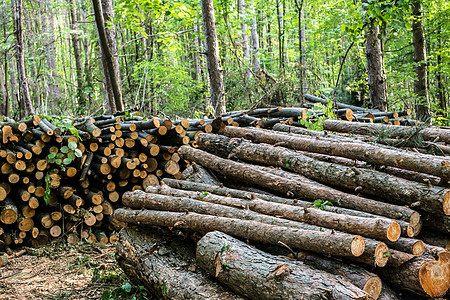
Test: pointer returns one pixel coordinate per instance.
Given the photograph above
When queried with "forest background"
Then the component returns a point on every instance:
(270, 52)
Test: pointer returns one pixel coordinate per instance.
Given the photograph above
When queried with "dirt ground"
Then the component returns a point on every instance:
(83, 271)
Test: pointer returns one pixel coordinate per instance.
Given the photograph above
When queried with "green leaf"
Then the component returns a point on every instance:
(127, 287)
(72, 145)
(71, 155)
(78, 153)
(64, 149)
(204, 194)
(59, 155)
(58, 161)
(51, 155)
(67, 161)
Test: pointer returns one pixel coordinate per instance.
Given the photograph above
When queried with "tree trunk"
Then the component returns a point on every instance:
(77, 54)
(381, 229)
(252, 175)
(108, 19)
(362, 151)
(280, 19)
(4, 94)
(375, 69)
(420, 57)
(215, 71)
(232, 262)
(255, 40)
(320, 242)
(163, 263)
(108, 56)
(245, 48)
(17, 8)
(422, 275)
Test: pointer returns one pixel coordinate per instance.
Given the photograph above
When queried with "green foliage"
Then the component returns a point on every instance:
(204, 194)
(83, 262)
(63, 123)
(126, 291)
(321, 204)
(224, 248)
(317, 124)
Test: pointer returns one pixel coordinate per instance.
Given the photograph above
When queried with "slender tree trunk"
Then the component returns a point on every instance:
(375, 69)
(17, 8)
(301, 35)
(77, 54)
(441, 89)
(108, 16)
(111, 79)
(420, 56)
(212, 51)
(280, 19)
(4, 94)
(245, 48)
(12, 78)
(196, 51)
(255, 41)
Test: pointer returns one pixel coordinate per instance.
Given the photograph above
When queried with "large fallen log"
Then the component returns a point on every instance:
(381, 229)
(246, 270)
(320, 242)
(252, 175)
(422, 275)
(365, 181)
(362, 151)
(165, 265)
(429, 134)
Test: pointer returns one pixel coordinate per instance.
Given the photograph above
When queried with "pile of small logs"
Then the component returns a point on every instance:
(66, 181)
(354, 218)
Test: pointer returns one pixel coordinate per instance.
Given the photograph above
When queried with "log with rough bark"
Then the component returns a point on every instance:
(321, 242)
(233, 262)
(376, 228)
(428, 134)
(356, 150)
(423, 275)
(163, 263)
(434, 199)
(252, 175)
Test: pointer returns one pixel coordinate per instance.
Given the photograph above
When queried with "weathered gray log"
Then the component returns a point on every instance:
(437, 199)
(321, 242)
(259, 275)
(165, 265)
(381, 229)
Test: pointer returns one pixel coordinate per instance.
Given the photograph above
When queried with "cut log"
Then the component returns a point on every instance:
(165, 265)
(232, 262)
(429, 134)
(421, 275)
(376, 228)
(251, 175)
(8, 211)
(412, 246)
(435, 199)
(321, 242)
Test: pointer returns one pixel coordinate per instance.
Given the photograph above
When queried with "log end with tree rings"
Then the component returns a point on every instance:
(381, 255)
(434, 276)
(358, 246)
(394, 231)
(418, 248)
(446, 203)
(373, 287)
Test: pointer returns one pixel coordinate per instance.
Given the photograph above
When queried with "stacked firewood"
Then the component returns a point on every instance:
(353, 216)
(64, 180)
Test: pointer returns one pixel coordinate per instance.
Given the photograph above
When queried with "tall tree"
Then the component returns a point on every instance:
(17, 9)
(215, 71)
(4, 100)
(374, 58)
(420, 55)
(245, 48)
(77, 55)
(301, 46)
(255, 40)
(109, 65)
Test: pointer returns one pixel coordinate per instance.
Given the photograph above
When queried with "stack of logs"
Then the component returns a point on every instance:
(60, 182)
(354, 217)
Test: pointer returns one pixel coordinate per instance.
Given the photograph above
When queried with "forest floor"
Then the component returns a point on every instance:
(56, 271)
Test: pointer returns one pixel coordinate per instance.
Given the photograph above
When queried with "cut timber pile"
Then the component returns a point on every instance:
(66, 181)
(347, 212)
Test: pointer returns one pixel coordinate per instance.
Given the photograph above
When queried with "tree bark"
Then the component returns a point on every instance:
(252, 175)
(420, 83)
(4, 94)
(77, 55)
(375, 69)
(320, 242)
(165, 265)
(232, 262)
(255, 40)
(17, 8)
(362, 151)
(245, 47)
(435, 134)
(422, 275)
(108, 57)
(215, 71)
(376, 228)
